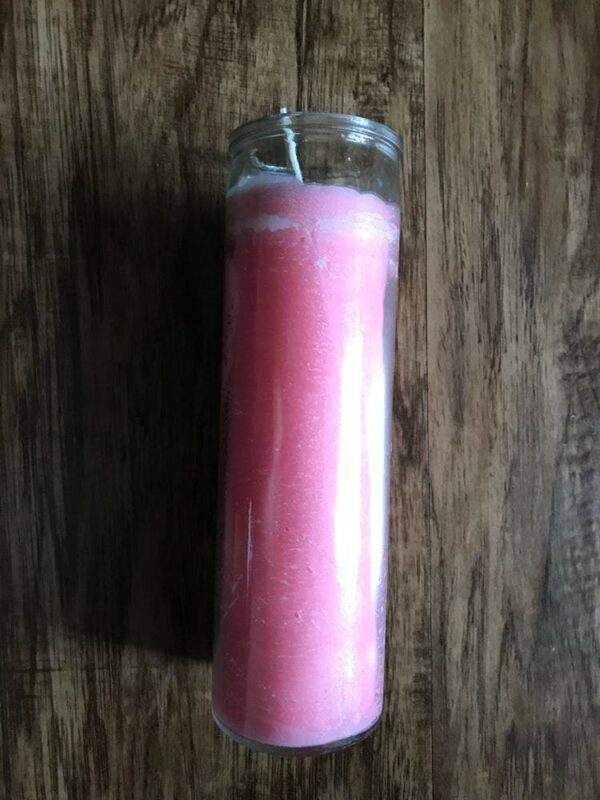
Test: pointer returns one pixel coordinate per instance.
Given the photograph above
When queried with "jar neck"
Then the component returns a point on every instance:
(299, 125)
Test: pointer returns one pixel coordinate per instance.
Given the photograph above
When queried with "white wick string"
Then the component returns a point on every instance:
(291, 145)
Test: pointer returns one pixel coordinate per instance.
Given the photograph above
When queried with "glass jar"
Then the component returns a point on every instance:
(311, 276)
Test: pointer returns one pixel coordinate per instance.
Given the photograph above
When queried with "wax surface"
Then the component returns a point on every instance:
(310, 291)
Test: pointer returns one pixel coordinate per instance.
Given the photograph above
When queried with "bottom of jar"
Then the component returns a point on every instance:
(294, 752)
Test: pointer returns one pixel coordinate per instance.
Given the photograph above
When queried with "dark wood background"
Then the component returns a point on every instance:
(113, 125)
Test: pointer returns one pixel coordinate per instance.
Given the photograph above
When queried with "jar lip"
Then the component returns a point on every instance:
(362, 129)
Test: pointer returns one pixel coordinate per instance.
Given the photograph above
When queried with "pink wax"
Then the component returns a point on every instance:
(310, 292)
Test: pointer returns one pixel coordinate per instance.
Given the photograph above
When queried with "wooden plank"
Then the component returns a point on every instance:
(513, 235)
(113, 124)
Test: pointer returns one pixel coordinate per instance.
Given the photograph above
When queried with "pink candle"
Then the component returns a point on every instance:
(311, 279)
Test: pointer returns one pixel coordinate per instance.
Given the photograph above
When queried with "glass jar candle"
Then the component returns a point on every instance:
(311, 276)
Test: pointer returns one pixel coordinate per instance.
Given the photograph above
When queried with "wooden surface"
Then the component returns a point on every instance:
(113, 125)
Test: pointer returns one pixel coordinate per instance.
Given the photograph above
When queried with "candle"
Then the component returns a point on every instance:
(310, 290)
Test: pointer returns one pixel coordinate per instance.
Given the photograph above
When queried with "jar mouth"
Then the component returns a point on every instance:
(360, 130)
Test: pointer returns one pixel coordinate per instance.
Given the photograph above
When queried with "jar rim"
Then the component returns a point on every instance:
(361, 129)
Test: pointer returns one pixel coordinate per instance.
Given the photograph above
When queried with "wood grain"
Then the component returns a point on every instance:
(513, 237)
(113, 125)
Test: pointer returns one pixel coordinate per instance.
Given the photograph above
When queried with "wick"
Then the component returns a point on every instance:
(291, 144)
